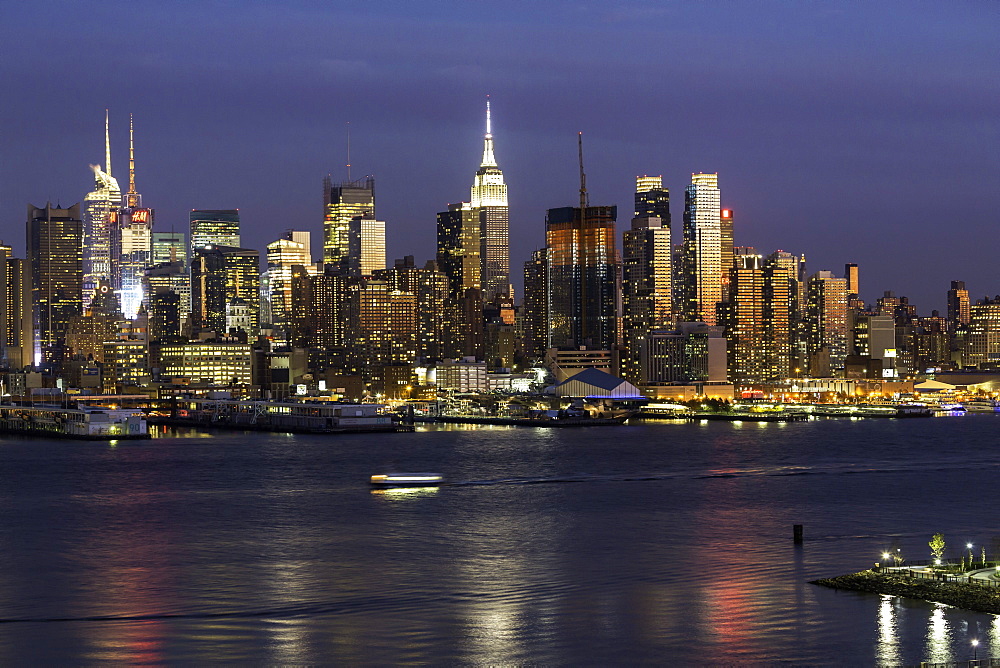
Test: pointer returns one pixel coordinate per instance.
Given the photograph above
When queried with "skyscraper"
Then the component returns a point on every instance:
(536, 319)
(342, 203)
(170, 247)
(652, 200)
(726, 255)
(219, 227)
(959, 310)
(131, 242)
(582, 272)
(16, 328)
(702, 272)
(99, 207)
(366, 246)
(459, 258)
(55, 248)
(826, 321)
(489, 202)
(283, 256)
(647, 291)
(221, 277)
(851, 274)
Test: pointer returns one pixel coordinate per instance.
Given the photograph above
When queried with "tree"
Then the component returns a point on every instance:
(937, 545)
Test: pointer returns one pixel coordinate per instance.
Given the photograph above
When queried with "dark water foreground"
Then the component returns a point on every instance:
(651, 543)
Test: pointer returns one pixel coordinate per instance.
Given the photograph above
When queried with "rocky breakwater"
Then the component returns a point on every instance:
(967, 596)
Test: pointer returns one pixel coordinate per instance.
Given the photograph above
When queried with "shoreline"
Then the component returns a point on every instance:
(972, 597)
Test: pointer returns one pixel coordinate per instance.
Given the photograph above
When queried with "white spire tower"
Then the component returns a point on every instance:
(489, 202)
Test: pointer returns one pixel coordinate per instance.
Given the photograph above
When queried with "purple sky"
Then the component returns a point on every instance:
(850, 132)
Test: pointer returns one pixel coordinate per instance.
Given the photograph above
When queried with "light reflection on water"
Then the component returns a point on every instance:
(938, 636)
(649, 543)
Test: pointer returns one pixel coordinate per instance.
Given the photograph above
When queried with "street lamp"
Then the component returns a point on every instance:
(975, 649)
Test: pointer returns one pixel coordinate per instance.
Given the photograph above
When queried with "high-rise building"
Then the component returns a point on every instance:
(172, 277)
(726, 248)
(366, 246)
(702, 271)
(459, 258)
(214, 227)
(982, 347)
(826, 323)
(536, 318)
(16, 328)
(959, 311)
(851, 274)
(294, 249)
(582, 272)
(99, 207)
(489, 204)
(55, 248)
(759, 318)
(170, 247)
(342, 203)
(652, 200)
(221, 275)
(131, 242)
(647, 290)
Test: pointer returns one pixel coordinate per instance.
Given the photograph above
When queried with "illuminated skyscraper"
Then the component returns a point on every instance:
(170, 247)
(283, 256)
(826, 321)
(459, 258)
(366, 246)
(851, 274)
(131, 243)
(221, 275)
(652, 200)
(726, 248)
(55, 247)
(489, 204)
(342, 203)
(702, 272)
(219, 227)
(16, 328)
(536, 319)
(99, 207)
(582, 272)
(647, 299)
(757, 318)
(959, 310)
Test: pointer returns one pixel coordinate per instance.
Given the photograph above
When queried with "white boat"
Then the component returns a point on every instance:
(383, 480)
(982, 406)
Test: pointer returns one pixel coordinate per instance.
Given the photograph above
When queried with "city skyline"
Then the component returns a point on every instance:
(834, 135)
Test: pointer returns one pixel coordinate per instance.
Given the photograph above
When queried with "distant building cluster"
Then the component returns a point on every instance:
(105, 302)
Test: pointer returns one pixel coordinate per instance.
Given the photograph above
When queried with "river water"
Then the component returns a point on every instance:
(652, 543)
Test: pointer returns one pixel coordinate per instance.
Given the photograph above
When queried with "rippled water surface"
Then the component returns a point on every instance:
(649, 543)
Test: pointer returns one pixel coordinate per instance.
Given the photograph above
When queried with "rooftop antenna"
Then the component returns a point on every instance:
(348, 151)
(583, 177)
(133, 200)
(107, 145)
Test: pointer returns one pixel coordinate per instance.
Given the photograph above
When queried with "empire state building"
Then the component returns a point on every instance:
(489, 205)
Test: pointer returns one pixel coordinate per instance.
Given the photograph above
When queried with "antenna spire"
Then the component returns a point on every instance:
(133, 200)
(489, 160)
(107, 145)
(348, 151)
(583, 178)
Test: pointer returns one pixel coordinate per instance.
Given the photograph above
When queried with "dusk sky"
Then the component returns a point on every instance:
(850, 132)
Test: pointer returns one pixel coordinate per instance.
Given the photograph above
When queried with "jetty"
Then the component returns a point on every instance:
(309, 417)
